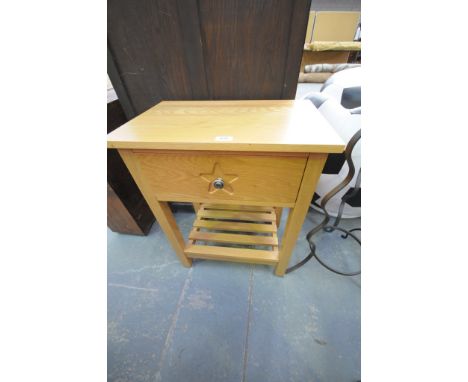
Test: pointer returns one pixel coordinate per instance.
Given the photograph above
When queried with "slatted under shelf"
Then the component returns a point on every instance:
(234, 233)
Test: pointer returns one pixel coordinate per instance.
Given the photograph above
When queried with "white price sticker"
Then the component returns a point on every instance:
(224, 138)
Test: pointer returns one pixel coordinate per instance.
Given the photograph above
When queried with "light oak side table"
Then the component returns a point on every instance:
(239, 162)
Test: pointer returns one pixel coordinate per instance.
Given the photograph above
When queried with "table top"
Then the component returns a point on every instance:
(251, 125)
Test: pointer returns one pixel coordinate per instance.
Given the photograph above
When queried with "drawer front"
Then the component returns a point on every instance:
(201, 177)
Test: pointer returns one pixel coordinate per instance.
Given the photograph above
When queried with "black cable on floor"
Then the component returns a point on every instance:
(313, 247)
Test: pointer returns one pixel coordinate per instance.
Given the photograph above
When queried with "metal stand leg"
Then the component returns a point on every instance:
(324, 224)
(357, 186)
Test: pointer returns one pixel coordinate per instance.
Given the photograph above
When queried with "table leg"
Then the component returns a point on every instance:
(161, 210)
(196, 206)
(298, 213)
(166, 220)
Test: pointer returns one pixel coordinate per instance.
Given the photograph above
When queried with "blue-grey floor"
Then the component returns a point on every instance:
(220, 321)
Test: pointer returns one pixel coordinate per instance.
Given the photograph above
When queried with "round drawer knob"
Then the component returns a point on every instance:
(218, 183)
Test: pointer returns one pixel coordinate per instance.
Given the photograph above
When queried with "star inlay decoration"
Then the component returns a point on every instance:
(216, 173)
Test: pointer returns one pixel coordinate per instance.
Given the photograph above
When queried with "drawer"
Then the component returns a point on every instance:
(222, 177)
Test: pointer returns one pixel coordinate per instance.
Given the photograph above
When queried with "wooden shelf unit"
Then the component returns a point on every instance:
(240, 230)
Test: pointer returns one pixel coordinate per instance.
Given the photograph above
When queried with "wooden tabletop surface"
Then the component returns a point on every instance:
(253, 125)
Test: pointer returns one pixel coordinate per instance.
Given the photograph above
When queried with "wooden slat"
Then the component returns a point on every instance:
(210, 206)
(321, 46)
(237, 215)
(234, 226)
(242, 255)
(233, 238)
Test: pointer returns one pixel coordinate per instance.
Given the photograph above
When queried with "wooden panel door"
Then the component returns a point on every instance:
(204, 49)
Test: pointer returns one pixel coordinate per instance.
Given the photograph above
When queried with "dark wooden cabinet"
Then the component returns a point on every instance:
(204, 49)
(127, 210)
(197, 49)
